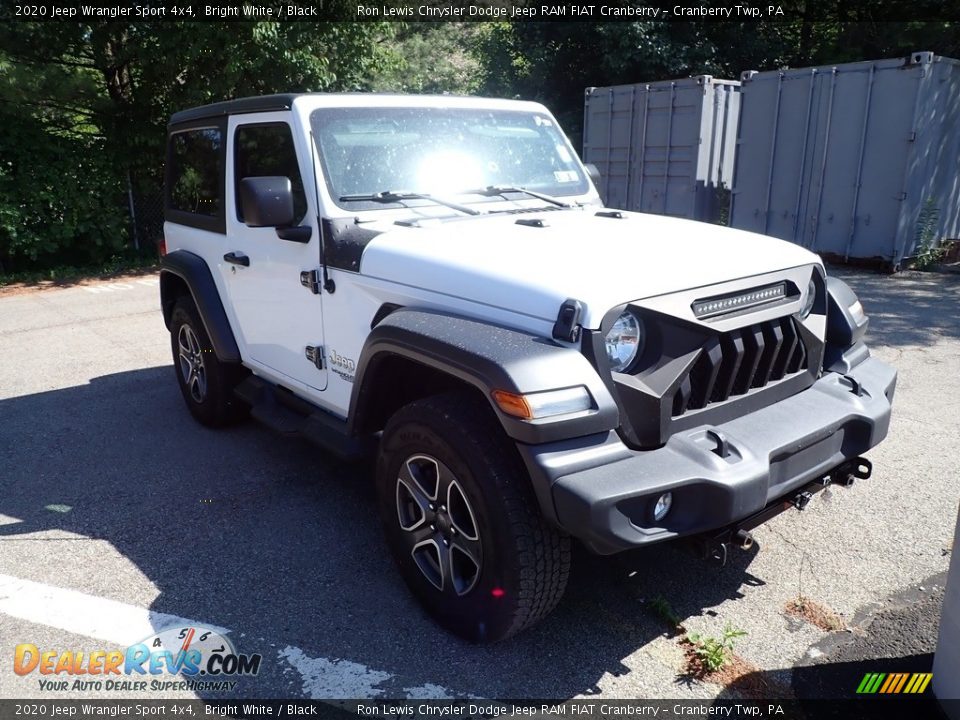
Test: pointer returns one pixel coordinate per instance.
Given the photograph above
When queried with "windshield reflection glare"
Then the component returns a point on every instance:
(441, 151)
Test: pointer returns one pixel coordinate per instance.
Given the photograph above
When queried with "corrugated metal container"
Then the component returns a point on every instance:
(664, 147)
(946, 662)
(852, 161)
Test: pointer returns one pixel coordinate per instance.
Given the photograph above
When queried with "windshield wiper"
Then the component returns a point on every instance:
(502, 190)
(392, 196)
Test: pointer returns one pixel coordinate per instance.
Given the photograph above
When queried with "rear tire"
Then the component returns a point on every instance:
(461, 521)
(205, 383)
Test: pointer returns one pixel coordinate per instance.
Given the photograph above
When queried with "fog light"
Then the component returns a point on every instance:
(662, 507)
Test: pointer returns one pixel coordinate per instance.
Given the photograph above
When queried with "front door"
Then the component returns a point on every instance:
(279, 319)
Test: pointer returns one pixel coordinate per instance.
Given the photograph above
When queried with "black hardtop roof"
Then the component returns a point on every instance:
(263, 103)
(260, 103)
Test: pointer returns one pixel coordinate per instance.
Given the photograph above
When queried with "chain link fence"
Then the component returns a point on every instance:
(146, 219)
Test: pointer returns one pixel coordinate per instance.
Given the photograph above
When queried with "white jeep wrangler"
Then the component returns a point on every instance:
(435, 280)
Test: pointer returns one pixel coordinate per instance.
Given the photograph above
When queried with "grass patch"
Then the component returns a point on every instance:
(814, 613)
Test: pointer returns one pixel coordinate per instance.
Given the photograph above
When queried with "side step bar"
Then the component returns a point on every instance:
(715, 545)
(285, 413)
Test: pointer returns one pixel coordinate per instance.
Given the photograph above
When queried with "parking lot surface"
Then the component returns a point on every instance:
(120, 516)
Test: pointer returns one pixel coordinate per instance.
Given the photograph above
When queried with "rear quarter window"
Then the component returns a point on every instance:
(195, 177)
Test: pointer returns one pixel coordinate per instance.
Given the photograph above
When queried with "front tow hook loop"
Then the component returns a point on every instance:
(855, 385)
(723, 445)
(858, 468)
(861, 468)
(743, 539)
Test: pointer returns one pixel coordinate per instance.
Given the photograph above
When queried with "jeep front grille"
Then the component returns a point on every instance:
(735, 362)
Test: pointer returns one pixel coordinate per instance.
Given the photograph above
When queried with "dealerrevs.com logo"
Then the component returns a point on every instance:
(203, 658)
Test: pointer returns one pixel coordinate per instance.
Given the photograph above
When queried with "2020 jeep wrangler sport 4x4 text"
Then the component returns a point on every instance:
(435, 280)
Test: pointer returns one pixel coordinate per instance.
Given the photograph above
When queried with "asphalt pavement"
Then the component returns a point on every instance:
(120, 516)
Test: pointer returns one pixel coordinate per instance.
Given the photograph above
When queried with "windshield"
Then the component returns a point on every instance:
(441, 151)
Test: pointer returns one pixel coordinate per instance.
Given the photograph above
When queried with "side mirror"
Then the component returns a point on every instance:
(268, 202)
(594, 172)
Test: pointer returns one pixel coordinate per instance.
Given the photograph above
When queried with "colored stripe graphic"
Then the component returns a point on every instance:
(894, 683)
(903, 680)
(870, 683)
(923, 679)
(892, 679)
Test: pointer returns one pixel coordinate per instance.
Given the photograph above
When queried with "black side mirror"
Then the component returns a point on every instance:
(268, 202)
(594, 172)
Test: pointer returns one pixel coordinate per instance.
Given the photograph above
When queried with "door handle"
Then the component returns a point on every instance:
(237, 258)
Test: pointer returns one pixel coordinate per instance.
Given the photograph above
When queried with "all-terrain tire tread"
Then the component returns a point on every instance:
(544, 551)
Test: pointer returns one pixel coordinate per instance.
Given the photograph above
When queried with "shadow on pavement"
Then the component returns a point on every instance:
(268, 537)
(909, 309)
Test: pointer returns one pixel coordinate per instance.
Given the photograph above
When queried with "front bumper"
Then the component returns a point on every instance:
(600, 491)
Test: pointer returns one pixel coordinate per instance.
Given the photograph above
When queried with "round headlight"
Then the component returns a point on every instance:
(624, 341)
(809, 301)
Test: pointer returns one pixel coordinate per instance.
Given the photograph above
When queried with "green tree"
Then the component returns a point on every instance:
(430, 57)
(109, 88)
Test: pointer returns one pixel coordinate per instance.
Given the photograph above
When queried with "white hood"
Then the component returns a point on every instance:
(602, 262)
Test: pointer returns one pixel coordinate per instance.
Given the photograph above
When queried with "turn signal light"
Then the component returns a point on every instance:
(513, 404)
(533, 406)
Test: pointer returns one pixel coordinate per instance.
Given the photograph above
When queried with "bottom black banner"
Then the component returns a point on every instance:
(879, 708)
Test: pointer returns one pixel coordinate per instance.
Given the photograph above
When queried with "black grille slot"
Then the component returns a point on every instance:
(735, 362)
(704, 374)
(752, 350)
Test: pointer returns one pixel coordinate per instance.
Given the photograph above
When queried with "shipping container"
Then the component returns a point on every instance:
(664, 147)
(946, 661)
(855, 161)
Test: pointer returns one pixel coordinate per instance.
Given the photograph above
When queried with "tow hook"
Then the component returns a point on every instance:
(802, 499)
(718, 547)
(849, 472)
(742, 539)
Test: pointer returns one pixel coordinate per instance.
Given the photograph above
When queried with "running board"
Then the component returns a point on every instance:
(285, 413)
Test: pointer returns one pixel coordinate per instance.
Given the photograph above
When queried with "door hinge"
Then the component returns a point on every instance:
(310, 279)
(315, 355)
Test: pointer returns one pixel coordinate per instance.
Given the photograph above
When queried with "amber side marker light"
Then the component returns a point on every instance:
(533, 406)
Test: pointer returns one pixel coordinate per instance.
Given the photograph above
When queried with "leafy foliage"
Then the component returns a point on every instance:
(430, 58)
(61, 201)
(713, 652)
(90, 102)
(929, 250)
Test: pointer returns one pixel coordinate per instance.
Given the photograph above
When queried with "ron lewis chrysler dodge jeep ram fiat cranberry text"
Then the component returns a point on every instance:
(435, 280)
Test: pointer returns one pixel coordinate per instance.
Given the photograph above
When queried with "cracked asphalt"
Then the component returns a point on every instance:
(110, 490)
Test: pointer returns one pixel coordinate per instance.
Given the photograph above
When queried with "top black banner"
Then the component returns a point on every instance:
(94, 11)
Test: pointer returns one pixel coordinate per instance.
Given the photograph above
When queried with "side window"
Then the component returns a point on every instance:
(265, 150)
(195, 172)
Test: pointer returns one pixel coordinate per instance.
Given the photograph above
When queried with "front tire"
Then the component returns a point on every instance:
(461, 522)
(205, 383)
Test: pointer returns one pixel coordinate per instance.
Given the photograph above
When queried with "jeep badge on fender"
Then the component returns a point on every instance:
(434, 281)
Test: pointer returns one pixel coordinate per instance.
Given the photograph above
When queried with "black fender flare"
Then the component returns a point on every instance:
(488, 357)
(196, 275)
